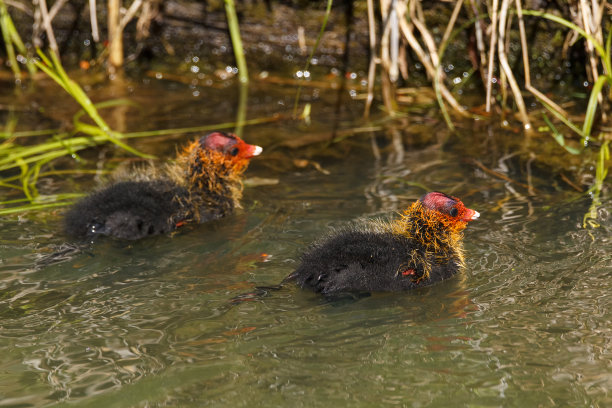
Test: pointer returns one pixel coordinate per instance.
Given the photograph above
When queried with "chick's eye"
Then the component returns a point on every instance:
(454, 212)
(234, 151)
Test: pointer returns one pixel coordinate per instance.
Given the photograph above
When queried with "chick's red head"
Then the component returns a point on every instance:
(449, 206)
(230, 145)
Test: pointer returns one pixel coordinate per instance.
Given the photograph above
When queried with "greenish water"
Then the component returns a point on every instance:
(154, 324)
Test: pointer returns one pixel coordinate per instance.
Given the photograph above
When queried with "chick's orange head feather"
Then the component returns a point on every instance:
(449, 206)
(229, 145)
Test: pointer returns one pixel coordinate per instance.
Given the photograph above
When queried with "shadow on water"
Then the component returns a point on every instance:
(151, 323)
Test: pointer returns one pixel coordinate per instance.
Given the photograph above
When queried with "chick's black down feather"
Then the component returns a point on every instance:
(354, 261)
(127, 210)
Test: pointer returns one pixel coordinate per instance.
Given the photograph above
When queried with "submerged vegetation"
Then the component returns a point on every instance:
(496, 44)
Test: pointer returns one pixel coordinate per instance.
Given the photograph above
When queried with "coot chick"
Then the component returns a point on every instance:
(203, 184)
(422, 247)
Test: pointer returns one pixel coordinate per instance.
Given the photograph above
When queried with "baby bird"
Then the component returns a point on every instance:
(203, 184)
(421, 248)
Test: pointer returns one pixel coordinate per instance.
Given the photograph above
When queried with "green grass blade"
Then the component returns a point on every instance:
(53, 67)
(8, 43)
(23, 166)
(28, 133)
(563, 119)
(592, 106)
(12, 186)
(77, 172)
(61, 147)
(18, 200)
(102, 129)
(560, 138)
(31, 207)
(31, 177)
(45, 199)
(45, 68)
(16, 39)
(48, 155)
(198, 129)
(602, 171)
(106, 104)
(44, 57)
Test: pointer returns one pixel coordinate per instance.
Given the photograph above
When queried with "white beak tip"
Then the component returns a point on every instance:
(257, 151)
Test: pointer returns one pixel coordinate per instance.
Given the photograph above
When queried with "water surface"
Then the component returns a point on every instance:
(161, 322)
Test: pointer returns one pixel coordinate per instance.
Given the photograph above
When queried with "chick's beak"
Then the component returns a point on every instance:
(252, 151)
(470, 215)
(257, 150)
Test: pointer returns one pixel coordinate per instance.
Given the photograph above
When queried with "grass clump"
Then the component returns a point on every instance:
(29, 161)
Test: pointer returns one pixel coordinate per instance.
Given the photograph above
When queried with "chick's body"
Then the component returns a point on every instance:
(203, 184)
(421, 248)
(364, 261)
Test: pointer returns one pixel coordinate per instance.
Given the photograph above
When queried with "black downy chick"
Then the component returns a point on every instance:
(419, 249)
(203, 184)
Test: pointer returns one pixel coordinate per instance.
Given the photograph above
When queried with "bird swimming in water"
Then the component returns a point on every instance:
(422, 247)
(204, 183)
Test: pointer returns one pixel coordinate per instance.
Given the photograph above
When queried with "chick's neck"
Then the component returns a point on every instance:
(212, 179)
(437, 234)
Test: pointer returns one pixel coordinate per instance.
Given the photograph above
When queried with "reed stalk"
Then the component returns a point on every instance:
(46, 20)
(93, 20)
(115, 34)
(426, 60)
(374, 60)
(492, 46)
(505, 65)
(314, 49)
(448, 34)
(241, 111)
(234, 29)
(595, 98)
